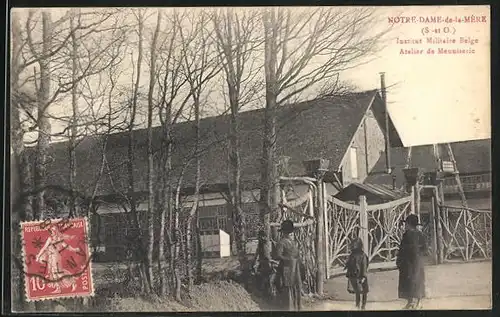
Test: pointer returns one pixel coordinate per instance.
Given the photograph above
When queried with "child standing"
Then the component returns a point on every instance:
(357, 267)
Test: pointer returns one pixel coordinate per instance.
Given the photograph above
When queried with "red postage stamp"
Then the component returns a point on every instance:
(56, 258)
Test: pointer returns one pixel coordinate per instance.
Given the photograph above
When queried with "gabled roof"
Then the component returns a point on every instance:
(384, 192)
(307, 130)
(471, 156)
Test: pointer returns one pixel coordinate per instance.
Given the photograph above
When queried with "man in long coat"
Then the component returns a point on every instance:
(411, 264)
(289, 277)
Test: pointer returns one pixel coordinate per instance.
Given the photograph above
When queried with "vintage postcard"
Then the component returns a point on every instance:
(295, 158)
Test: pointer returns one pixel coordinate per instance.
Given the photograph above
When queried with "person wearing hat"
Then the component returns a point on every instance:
(410, 264)
(289, 275)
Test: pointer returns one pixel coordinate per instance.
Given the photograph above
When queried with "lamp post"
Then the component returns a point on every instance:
(318, 168)
(412, 177)
(436, 179)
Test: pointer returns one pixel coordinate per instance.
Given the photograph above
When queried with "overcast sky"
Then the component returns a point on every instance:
(432, 98)
(440, 98)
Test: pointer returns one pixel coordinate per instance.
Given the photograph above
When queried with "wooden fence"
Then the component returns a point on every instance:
(467, 233)
(379, 227)
(303, 212)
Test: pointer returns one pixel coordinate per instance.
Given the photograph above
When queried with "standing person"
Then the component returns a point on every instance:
(287, 252)
(357, 267)
(411, 264)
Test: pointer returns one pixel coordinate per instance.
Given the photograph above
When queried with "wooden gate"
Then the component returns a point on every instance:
(466, 233)
(379, 226)
(385, 228)
(300, 209)
(343, 226)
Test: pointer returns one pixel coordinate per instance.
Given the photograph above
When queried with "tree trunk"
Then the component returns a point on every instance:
(177, 244)
(74, 129)
(20, 203)
(199, 251)
(138, 244)
(44, 129)
(43, 120)
(194, 208)
(238, 216)
(72, 142)
(166, 203)
(270, 183)
(232, 45)
(171, 238)
(234, 148)
(23, 170)
(151, 191)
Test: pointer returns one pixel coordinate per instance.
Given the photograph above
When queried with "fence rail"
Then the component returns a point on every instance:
(467, 233)
(377, 225)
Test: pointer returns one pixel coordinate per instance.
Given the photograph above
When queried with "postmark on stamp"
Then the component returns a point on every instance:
(56, 257)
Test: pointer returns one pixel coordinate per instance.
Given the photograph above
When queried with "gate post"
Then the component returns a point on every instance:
(418, 189)
(320, 247)
(412, 203)
(433, 231)
(326, 230)
(439, 228)
(363, 224)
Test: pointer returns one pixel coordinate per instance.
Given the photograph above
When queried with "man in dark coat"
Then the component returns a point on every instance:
(290, 281)
(411, 264)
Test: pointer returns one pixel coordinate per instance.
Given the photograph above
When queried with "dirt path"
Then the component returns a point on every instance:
(448, 286)
(454, 302)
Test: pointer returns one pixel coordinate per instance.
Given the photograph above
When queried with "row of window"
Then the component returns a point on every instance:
(116, 226)
(469, 179)
(470, 183)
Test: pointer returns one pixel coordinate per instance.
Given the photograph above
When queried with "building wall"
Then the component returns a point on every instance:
(331, 190)
(213, 209)
(370, 144)
(474, 203)
(483, 203)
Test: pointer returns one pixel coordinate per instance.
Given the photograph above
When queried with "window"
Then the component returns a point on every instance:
(212, 218)
(252, 219)
(208, 223)
(354, 162)
(213, 211)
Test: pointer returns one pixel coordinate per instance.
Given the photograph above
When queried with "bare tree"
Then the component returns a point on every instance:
(48, 51)
(40, 59)
(174, 96)
(43, 94)
(236, 41)
(74, 127)
(200, 66)
(301, 51)
(58, 54)
(22, 169)
(139, 247)
(151, 191)
(17, 132)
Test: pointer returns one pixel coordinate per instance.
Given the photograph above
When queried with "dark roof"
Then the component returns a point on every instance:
(384, 192)
(471, 156)
(307, 130)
